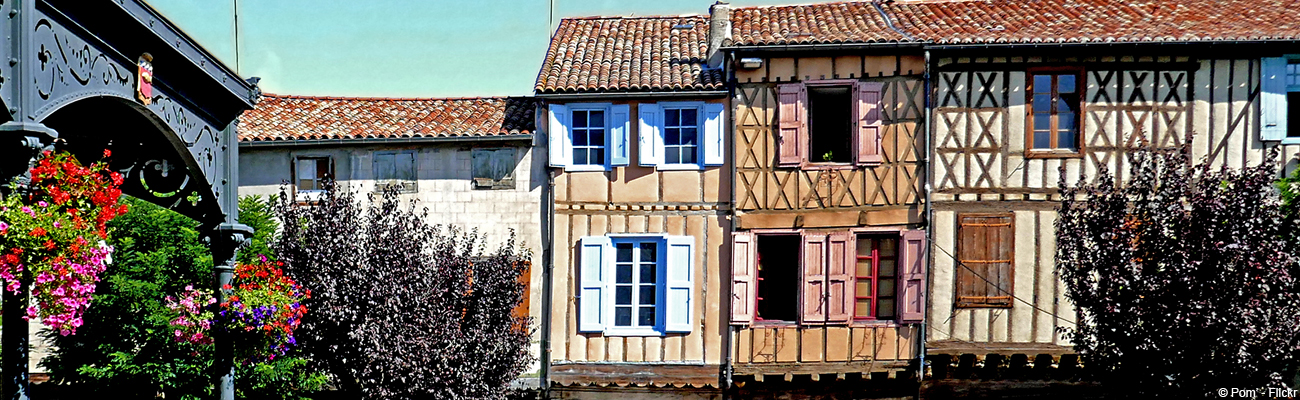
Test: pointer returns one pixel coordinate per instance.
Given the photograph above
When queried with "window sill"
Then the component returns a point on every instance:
(632, 332)
(586, 168)
(679, 167)
(1053, 154)
(1291, 141)
(833, 166)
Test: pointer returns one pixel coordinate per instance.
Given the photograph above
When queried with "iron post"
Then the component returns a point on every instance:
(226, 239)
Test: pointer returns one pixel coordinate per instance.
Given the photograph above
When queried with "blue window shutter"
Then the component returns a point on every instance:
(560, 151)
(1273, 103)
(650, 132)
(595, 253)
(714, 131)
(679, 302)
(620, 125)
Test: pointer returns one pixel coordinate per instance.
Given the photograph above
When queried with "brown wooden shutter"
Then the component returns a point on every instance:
(793, 124)
(911, 305)
(984, 256)
(743, 272)
(867, 122)
(813, 267)
(840, 265)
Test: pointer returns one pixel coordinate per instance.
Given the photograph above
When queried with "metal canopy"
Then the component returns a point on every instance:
(79, 60)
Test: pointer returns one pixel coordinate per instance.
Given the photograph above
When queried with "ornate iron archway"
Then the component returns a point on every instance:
(71, 81)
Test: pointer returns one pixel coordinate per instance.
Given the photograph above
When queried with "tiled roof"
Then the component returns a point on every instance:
(847, 22)
(1018, 21)
(1076, 21)
(629, 54)
(289, 118)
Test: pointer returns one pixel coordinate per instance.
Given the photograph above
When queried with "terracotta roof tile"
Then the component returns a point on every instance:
(844, 22)
(629, 54)
(1018, 21)
(1081, 21)
(287, 118)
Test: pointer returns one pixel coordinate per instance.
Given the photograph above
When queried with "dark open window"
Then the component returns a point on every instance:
(1054, 110)
(830, 124)
(877, 277)
(1293, 98)
(778, 277)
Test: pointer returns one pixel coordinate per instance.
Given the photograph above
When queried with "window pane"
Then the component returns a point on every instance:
(647, 295)
(596, 119)
(596, 156)
(688, 117)
(864, 288)
(579, 119)
(864, 247)
(1065, 83)
(624, 273)
(623, 295)
(648, 273)
(885, 309)
(672, 155)
(1065, 138)
(688, 136)
(647, 317)
(1042, 139)
(864, 268)
(622, 316)
(1293, 109)
(1065, 104)
(1042, 121)
(1042, 83)
(580, 156)
(624, 252)
(688, 155)
(579, 137)
(887, 268)
(1042, 103)
(649, 252)
(888, 247)
(863, 309)
(672, 136)
(885, 288)
(672, 117)
(596, 137)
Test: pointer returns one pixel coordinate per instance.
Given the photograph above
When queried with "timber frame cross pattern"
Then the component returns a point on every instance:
(70, 86)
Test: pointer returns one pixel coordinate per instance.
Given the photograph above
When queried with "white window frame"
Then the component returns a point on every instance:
(675, 284)
(605, 109)
(1292, 62)
(698, 106)
(661, 284)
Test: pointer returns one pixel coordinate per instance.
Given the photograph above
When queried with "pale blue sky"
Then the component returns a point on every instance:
(404, 48)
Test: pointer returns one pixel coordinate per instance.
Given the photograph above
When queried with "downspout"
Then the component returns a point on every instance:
(731, 220)
(548, 243)
(929, 216)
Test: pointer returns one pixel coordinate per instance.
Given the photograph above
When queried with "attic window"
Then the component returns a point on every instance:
(688, 25)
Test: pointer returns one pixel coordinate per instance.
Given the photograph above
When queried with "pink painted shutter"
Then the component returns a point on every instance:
(840, 277)
(868, 122)
(792, 125)
(911, 308)
(813, 267)
(743, 274)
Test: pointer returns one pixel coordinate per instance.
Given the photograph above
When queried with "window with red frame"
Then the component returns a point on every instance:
(877, 278)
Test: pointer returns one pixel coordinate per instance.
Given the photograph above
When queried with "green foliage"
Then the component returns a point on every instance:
(126, 349)
(258, 212)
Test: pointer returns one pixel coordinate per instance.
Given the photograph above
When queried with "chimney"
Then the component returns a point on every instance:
(719, 31)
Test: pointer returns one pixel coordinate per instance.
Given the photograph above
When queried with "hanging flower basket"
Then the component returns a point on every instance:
(54, 236)
(263, 305)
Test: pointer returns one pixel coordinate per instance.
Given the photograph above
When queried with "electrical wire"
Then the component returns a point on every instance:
(972, 271)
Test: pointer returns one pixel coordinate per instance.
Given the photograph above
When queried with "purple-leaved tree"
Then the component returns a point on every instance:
(1182, 277)
(401, 308)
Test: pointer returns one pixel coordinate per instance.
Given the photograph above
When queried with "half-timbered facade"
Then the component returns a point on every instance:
(638, 229)
(829, 250)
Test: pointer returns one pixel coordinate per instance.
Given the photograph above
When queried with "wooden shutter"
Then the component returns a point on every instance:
(595, 253)
(650, 148)
(911, 304)
(840, 278)
(619, 126)
(813, 269)
(743, 273)
(984, 256)
(679, 301)
(793, 124)
(559, 150)
(867, 122)
(1273, 105)
(714, 131)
